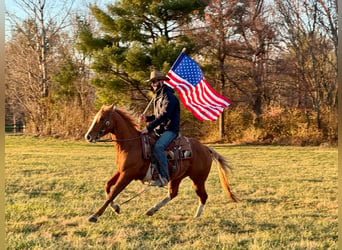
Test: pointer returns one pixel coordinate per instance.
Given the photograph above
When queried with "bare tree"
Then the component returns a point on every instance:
(328, 20)
(212, 41)
(255, 40)
(236, 39)
(309, 31)
(36, 30)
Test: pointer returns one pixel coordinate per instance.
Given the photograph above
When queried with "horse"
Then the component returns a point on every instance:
(131, 164)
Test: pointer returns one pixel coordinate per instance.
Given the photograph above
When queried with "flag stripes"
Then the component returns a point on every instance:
(197, 96)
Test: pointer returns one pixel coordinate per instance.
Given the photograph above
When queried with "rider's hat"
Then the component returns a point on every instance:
(157, 75)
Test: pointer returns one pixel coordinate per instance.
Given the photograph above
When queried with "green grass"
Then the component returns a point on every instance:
(288, 200)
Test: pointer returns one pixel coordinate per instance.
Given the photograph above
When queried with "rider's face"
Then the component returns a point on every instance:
(156, 84)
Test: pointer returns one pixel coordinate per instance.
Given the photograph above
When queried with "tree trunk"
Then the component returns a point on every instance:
(223, 85)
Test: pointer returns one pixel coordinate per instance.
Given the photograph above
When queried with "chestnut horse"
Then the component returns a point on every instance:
(132, 166)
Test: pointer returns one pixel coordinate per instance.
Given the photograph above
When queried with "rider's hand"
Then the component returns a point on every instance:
(143, 118)
(144, 131)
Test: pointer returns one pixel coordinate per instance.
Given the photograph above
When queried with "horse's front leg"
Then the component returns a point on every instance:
(122, 181)
(111, 182)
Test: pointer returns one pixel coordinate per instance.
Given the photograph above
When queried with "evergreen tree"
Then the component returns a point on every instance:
(135, 37)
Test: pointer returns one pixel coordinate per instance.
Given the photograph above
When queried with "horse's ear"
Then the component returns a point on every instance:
(113, 107)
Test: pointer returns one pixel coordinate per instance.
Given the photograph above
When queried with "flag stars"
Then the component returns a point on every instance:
(189, 70)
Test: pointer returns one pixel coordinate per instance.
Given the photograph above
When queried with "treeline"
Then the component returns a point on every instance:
(276, 61)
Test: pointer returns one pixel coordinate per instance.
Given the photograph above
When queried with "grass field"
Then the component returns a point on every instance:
(288, 201)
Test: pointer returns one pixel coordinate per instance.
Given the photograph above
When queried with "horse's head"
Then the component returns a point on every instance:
(101, 125)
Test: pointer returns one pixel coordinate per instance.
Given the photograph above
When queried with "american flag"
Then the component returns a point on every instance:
(187, 79)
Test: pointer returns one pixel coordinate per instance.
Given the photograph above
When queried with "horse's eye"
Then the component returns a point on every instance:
(101, 119)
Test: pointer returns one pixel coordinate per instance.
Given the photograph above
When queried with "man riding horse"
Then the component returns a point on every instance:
(165, 122)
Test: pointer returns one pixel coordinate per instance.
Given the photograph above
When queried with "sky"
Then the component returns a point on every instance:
(11, 5)
(79, 6)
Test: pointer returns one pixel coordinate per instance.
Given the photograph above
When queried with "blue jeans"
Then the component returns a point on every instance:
(159, 152)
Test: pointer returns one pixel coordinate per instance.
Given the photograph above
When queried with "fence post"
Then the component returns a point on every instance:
(14, 125)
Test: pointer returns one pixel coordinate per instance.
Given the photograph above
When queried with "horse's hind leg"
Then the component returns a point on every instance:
(173, 191)
(203, 196)
(157, 206)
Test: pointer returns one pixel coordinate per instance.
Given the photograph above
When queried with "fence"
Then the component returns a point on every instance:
(15, 128)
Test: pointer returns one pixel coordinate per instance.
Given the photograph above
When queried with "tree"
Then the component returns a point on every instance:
(136, 36)
(237, 39)
(35, 37)
(212, 38)
(71, 95)
(327, 18)
(22, 78)
(253, 42)
(313, 50)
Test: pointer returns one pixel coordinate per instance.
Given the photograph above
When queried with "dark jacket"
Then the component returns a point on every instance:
(166, 112)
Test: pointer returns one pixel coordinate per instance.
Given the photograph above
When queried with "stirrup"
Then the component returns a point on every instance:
(161, 182)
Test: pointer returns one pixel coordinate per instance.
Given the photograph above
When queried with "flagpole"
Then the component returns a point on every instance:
(148, 105)
(143, 114)
(183, 51)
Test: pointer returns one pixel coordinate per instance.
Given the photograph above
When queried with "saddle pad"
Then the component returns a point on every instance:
(178, 148)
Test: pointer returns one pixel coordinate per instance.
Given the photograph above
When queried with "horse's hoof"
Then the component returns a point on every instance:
(92, 219)
(149, 213)
(115, 208)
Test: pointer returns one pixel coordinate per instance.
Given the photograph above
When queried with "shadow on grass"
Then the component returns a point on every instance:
(264, 200)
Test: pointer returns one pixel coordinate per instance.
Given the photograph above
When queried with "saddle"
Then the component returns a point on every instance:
(178, 149)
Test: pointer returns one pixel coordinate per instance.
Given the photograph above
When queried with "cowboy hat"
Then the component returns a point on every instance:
(157, 75)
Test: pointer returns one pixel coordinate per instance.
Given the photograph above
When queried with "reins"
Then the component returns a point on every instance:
(136, 195)
(118, 140)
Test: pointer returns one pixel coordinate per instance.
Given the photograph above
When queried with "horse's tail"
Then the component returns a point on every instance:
(224, 169)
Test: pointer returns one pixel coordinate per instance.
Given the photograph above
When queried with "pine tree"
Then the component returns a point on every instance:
(135, 37)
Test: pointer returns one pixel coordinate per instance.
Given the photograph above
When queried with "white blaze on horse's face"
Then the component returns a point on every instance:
(101, 124)
(95, 131)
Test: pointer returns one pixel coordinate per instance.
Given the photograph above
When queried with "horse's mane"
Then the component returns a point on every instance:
(127, 116)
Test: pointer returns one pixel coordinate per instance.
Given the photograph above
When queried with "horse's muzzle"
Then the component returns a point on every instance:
(89, 138)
